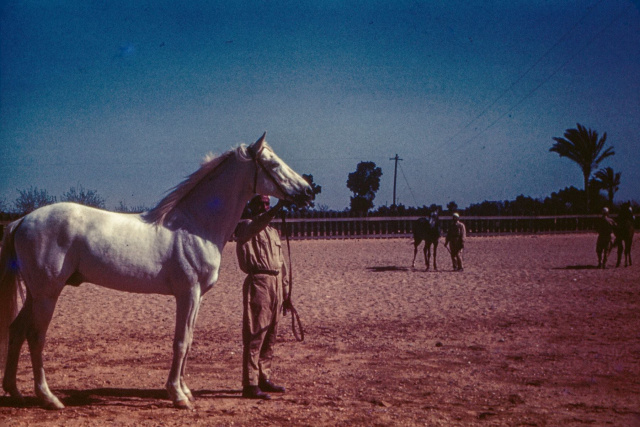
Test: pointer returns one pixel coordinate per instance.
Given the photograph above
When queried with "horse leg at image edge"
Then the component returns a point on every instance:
(17, 336)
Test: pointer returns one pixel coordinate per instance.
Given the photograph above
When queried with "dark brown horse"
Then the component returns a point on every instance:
(429, 231)
(624, 234)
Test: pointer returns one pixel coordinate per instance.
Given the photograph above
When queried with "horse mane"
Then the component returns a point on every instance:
(210, 163)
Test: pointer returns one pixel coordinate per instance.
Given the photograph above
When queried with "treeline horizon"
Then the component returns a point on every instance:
(568, 201)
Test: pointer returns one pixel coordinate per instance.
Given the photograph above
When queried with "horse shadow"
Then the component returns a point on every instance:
(577, 267)
(132, 397)
(384, 268)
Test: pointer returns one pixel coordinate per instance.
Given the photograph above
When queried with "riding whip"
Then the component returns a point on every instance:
(296, 324)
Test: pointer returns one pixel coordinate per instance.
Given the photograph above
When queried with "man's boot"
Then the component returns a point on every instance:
(254, 392)
(266, 385)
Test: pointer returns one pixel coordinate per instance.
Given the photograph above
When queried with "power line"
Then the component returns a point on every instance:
(518, 80)
(415, 201)
(546, 79)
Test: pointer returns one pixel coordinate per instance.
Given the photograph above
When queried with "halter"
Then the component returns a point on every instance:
(256, 159)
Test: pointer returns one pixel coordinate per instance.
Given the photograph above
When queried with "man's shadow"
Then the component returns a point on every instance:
(577, 267)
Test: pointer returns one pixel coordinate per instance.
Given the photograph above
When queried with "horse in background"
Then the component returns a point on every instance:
(624, 234)
(427, 229)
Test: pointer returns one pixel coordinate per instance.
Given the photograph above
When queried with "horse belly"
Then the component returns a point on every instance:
(139, 265)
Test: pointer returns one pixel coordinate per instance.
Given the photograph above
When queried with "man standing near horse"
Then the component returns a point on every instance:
(455, 240)
(624, 232)
(604, 227)
(265, 292)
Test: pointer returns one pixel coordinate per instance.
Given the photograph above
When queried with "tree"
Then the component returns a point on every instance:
(3, 204)
(607, 179)
(84, 197)
(583, 147)
(32, 199)
(123, 208)
(452, 207)
(364, 183)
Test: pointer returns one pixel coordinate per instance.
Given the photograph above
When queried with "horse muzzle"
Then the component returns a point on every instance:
(304, 198)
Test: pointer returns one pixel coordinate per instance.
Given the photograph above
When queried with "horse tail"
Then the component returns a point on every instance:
(11, 292)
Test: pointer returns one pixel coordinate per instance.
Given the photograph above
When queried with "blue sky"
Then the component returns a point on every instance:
(126, 98)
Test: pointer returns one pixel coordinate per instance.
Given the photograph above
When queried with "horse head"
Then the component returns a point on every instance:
(275, 178)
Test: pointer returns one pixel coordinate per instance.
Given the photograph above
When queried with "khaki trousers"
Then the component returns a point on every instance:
(262, 301)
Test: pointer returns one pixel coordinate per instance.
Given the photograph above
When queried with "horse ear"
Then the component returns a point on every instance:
(257, 146)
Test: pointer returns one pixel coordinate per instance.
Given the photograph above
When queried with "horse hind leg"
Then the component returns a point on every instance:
(36, 332)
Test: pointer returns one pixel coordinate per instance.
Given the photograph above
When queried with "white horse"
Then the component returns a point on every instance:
(173, 249)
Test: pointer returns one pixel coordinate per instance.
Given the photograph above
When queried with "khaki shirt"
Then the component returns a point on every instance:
(457, 233)
(261, 253)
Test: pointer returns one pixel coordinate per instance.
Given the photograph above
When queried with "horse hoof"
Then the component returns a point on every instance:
(183, 404)
(53, 404)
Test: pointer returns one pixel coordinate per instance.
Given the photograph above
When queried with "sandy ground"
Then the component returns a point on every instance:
(529, 334)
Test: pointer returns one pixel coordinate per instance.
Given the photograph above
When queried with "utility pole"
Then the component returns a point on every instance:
(395, 175)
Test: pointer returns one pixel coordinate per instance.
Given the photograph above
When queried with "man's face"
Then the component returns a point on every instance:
(265, 205)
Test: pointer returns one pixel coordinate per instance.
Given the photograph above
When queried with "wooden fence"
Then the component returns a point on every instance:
(390, 227)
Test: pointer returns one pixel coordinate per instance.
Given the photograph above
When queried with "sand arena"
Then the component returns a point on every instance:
(529, 334)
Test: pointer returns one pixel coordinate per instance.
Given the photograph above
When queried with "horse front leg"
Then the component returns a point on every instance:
(415, 253)
(620, 252)
(435, 252)
(183, 384)
(427, 254)
(186, 310)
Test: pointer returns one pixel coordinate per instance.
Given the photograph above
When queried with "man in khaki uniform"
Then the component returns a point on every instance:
(455, 240)
(604, 227)
(265, 290)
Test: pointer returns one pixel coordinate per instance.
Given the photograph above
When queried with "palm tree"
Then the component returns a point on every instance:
(609, 180)
(583, 147)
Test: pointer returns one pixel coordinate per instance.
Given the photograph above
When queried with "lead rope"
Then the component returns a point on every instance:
(296, 324)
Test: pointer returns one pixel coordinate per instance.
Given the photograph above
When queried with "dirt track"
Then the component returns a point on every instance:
(529, 334)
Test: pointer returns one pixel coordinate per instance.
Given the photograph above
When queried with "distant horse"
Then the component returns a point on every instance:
(624, 235)
(173, 249)
(429, 231)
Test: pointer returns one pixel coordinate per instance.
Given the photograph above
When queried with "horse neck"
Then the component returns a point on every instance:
(214, 207)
